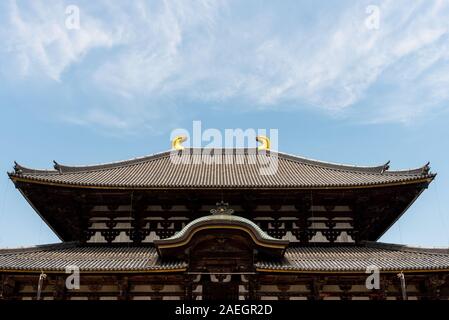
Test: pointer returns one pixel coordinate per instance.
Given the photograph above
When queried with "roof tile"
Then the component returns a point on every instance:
(233, 171)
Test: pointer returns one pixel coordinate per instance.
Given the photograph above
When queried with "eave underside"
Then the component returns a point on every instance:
(372, 210)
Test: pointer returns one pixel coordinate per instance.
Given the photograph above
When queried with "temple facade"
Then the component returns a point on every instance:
(233, 224)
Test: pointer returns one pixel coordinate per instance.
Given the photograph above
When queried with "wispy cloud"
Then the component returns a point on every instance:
(162, 41)
(265, 56)
(37, 41)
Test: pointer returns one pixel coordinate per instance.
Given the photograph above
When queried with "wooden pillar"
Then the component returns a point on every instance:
(432, 287)
(59, 288)
(7, 287)
(188, 287)
(137, 234)
(346, 288)
(253, 287)
(156, 288)
(93, 291)
(315, 287)
(123, 286)
(283, 288)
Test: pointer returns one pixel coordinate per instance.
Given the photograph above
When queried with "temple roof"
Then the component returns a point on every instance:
(56, 257)
(231, 168)
(387, 257)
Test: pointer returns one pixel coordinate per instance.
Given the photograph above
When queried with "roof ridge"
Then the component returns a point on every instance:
(423, 170)
(335, 165)
(107, 165)
(41, 247)
(62, 168)
(377, 169)
(18, 169)
(407, 248)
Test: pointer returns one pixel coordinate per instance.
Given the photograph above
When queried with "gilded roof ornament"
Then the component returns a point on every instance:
(176, 143)
(222, 208)
(265, 143)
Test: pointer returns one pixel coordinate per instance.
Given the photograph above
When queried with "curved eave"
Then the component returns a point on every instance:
(94, 271)
(159, 172)
(54, 258)
(342, 271)
(259, 237)
(21, 170)
(108, 165)
(406, 181)
(389, 258)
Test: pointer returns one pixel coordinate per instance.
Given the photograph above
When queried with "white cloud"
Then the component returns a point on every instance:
(330, 67)
(37, 40)
(266, 57)
(156, 53)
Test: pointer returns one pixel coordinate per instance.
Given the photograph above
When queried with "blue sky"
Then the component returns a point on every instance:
(336, 89)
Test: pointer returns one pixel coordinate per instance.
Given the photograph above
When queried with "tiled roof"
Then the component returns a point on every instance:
(230, 168)
(386, 257)
(297, 259)
(57, 257)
